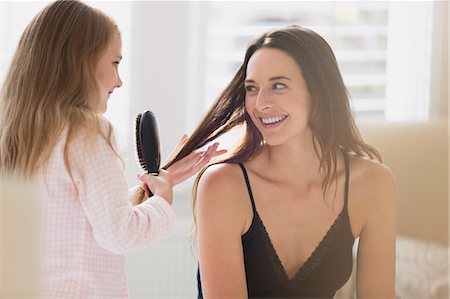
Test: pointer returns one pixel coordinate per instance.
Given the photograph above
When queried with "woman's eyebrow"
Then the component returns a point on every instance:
(271, 79)
(278, 78)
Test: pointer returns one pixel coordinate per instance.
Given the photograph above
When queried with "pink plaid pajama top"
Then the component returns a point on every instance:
(85, 235)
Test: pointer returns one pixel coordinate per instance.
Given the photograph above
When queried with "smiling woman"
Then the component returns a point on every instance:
(278, 217)
(277, 93)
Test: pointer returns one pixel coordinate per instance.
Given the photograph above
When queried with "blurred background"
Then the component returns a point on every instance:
(179, 55)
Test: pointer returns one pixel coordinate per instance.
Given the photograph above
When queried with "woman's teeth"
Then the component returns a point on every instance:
(273, 120)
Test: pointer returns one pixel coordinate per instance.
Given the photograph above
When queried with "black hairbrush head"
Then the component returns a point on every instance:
(147, 142)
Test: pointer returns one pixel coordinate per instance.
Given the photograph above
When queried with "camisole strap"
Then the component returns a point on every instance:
(347, 174)
(248, 186)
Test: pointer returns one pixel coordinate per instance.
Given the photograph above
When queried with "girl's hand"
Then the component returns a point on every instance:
(192, 163)
(161, 184)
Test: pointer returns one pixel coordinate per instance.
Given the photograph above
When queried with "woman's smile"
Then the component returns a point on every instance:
(273, 121)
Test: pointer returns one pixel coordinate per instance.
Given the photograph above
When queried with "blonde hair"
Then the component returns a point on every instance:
(51, 84)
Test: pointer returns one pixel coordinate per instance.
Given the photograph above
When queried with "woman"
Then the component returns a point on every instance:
(52, 132)
(278, 218)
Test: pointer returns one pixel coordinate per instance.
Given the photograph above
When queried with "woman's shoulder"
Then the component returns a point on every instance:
(371, 190)
(220, 198)
(222, 176)
(370, 174)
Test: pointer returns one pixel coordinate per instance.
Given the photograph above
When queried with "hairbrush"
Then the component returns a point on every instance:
(147, 142)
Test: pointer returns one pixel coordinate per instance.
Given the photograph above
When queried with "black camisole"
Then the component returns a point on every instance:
(325, 271)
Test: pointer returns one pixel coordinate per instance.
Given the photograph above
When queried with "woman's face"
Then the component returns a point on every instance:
(277, 98)
(108, 71)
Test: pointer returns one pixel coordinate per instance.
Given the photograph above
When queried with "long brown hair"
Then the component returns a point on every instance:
(331, 120)
(51, 84)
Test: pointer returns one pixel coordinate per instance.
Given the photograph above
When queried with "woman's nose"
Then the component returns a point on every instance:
(263, 101)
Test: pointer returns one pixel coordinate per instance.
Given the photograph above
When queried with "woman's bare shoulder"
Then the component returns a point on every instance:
(220, 196)
(372, 175)
(371, 191)
(223, 176)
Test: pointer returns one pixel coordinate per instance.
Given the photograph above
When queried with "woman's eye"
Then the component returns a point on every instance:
(250, 88)
(279, 86)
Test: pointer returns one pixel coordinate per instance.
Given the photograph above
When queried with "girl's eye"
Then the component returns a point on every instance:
(279, 86)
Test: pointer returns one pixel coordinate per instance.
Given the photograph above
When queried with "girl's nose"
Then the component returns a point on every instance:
(119, 82)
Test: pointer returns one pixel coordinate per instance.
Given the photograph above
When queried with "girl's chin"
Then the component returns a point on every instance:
(101, 108)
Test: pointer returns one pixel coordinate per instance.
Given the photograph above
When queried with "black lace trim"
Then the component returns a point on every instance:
(276, 262)
(316, 256)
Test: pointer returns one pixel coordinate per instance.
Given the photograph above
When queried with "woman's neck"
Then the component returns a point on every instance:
(291, 160)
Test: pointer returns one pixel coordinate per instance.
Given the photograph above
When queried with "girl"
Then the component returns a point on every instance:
(62, 74)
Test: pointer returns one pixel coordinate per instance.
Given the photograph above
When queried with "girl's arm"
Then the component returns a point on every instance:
(117, 225)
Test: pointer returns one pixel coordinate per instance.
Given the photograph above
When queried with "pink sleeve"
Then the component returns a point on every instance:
(117, 225)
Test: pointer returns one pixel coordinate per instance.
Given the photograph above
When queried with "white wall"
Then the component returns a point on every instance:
(439, 75)
(158, 62)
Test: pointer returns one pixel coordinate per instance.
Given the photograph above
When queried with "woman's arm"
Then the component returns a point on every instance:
(220, 223)
(376, 251)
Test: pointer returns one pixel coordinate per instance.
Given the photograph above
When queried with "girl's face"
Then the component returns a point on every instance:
(108, 71)
(277, 98)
